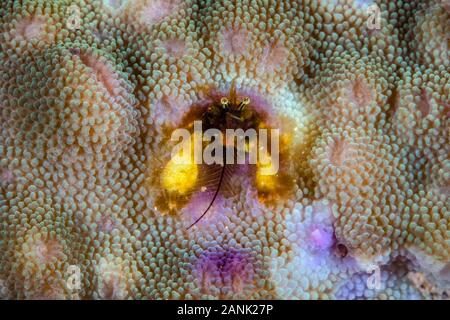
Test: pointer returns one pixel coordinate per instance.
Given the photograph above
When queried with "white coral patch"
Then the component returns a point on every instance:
(114, 5)
(155, 11)
(363, 4)
(30, 28)
(354, 3)
(42, 251)
(439, 270)
(312, 267)
(390, 286)
(112, 282)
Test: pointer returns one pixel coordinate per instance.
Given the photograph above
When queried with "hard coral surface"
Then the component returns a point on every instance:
(90, 91)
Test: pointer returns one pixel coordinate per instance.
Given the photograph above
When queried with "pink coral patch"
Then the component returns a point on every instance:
(156, 10)
(235, 40)
(445, 106)
(339, 152)
(46, 251)
(360, 93)
(30, 28)
(169, 110)
(175, 47)
(106, 223)
(274, 55)
(101, 72)
(112, 283)
(6, 177)
(446, 5)
(197, 206)
(424, 104)
(320, 238)
(112, 287)
(315, 233)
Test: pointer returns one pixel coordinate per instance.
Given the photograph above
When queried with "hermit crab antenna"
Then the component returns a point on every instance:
(244, 103)
(222, 173)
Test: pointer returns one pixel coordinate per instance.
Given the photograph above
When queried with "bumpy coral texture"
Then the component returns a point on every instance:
(90, 89)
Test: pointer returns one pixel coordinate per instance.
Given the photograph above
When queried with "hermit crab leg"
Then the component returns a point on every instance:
(235, 117)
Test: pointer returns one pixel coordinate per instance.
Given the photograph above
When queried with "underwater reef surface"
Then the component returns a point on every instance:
(92, 206)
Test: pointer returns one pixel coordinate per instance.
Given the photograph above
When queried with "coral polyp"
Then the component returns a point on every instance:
(92, 205)
(226, 272)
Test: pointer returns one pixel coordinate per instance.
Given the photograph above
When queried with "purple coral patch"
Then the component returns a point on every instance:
(228, 269)
(321, 238)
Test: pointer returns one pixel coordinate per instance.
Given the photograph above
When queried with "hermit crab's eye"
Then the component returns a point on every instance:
(244, 103)
(224, 102)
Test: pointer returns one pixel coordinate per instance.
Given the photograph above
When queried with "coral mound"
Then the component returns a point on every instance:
(90, 92)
